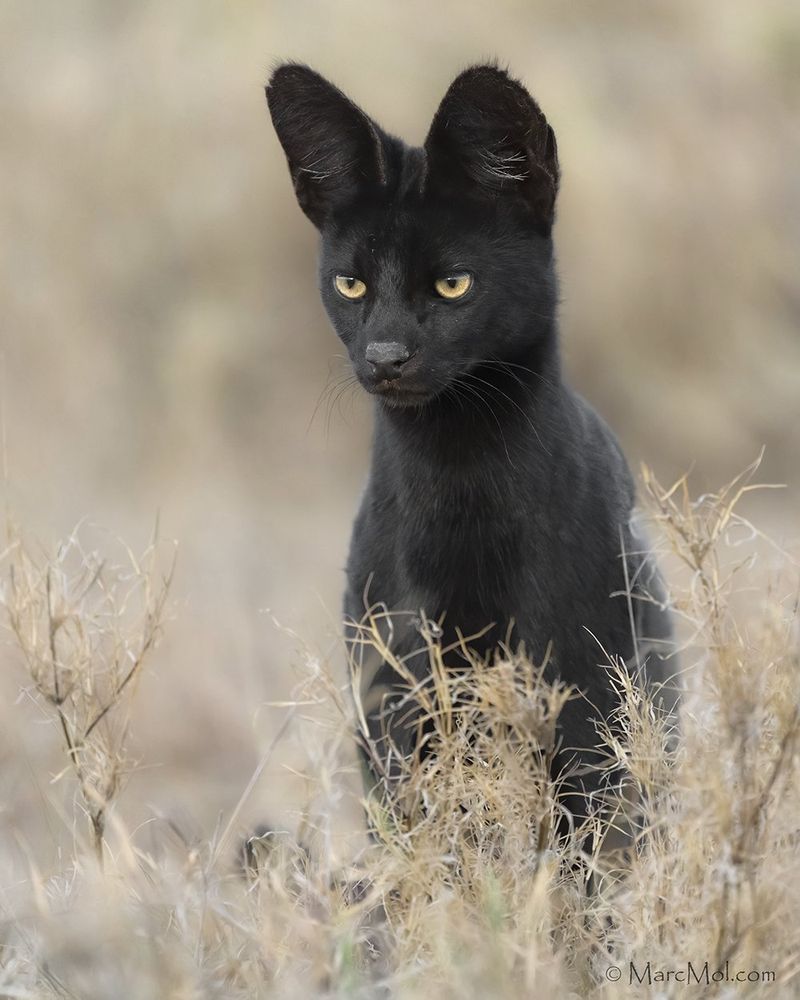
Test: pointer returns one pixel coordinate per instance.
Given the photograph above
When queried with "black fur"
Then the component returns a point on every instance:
(496, 494)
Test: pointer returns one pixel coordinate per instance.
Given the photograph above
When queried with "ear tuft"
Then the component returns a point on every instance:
(333, 149)
(489, 138)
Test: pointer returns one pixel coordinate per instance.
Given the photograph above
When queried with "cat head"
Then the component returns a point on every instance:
(434, 261)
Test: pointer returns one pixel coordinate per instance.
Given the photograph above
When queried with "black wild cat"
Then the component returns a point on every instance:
(496, 495)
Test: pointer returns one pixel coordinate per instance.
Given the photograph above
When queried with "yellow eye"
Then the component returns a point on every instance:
(454, 286)
(350, 288)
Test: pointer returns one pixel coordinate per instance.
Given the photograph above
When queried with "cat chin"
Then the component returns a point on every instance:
(409, 402)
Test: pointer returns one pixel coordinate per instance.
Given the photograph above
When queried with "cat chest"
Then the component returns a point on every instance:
(470, 553)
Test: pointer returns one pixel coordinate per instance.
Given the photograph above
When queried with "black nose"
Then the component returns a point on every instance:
(387, 359)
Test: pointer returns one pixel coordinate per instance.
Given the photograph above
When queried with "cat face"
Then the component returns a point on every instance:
(433, 261)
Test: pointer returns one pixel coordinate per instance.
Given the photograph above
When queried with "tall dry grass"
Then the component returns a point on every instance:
(85, 630)
(468, 891)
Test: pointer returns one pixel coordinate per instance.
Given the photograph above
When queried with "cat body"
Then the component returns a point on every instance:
(498, 502)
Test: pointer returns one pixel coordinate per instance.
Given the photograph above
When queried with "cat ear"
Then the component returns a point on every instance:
(489, 138)
(332, 147)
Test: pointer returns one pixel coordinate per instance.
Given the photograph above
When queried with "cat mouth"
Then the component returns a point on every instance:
(396, 394)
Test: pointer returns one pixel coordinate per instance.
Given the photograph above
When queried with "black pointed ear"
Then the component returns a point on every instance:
(490, 138)
(332, 147)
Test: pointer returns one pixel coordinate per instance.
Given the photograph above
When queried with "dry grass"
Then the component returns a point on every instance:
(85, 630)
(468, 892)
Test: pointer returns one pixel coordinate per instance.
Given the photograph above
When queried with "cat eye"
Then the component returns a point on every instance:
(350, 288)
(454, 286)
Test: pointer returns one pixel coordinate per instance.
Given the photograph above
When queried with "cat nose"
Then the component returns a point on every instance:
(387, 359)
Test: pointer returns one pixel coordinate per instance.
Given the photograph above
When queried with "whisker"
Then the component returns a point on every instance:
(475, 394)
(505, 365)
(513, 402)
(345, 390)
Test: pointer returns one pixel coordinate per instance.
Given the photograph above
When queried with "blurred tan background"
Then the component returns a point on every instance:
(164, 349)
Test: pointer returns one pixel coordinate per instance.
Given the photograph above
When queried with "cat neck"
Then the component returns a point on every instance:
(498, 415)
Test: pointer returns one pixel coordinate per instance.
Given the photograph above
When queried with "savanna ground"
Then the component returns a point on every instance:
(163, 353)
(467, 889)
